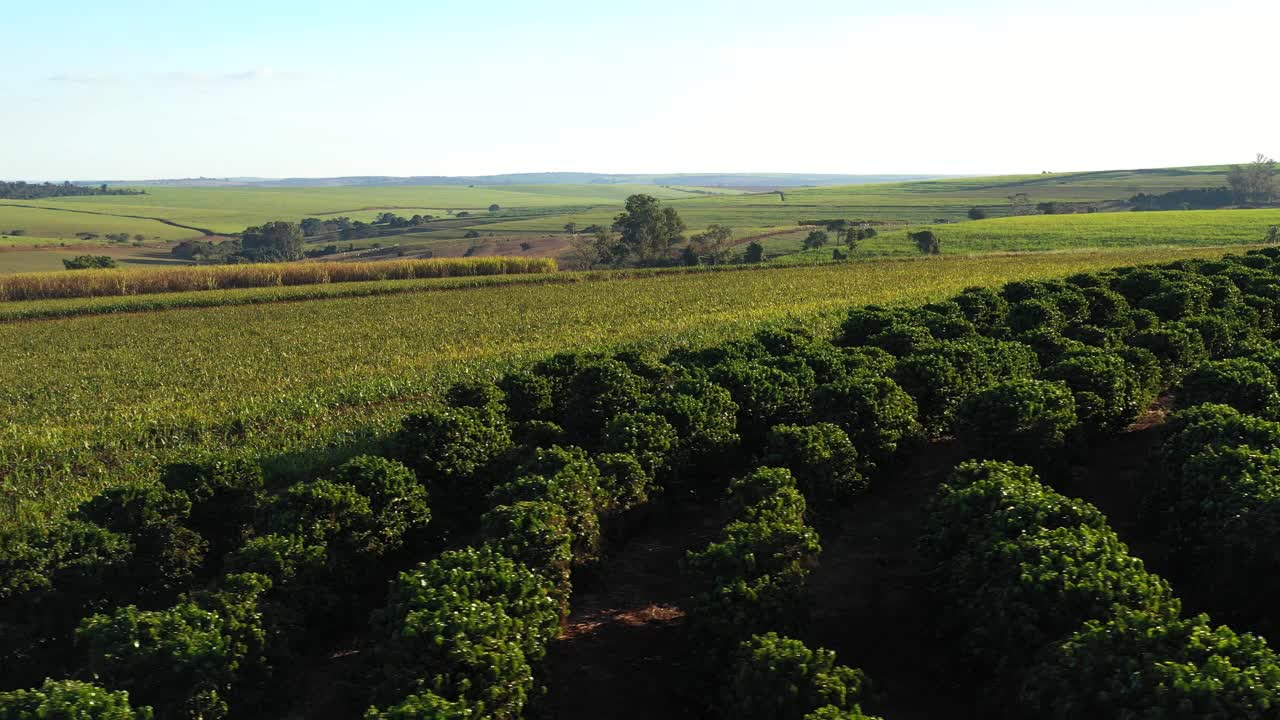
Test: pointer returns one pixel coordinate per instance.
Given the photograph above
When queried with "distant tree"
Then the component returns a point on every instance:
(1273, 234)
(495, 208)
(1255, 182)
(462, 214)
(356, 230)
(88, 262)
(1020, 204)
(689, 256)
(139, 237)
(856, 234)
(977, 213)
(20, 190)
(273, 241)
(837, 254)
(816, 239)
(583, 251)
(712, 244)
(926, 242)
(647, 231)
(755, 253)
(1048, 208)
(472, 234)
(571, 228)
(311, 226)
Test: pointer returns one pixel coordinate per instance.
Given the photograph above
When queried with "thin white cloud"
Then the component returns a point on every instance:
(85, 78)
(220, 78)
(182, 78)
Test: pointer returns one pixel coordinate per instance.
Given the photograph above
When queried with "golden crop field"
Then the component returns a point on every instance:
(99, 283)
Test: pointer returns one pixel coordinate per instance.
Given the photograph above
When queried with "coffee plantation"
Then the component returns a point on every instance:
(450, 558)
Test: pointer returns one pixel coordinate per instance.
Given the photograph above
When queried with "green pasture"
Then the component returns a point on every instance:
(58, 225)
(233, 209)
(1051, 232)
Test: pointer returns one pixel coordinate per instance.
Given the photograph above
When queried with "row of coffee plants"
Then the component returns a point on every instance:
(1059, 621)
(1216, 503)
(753, 580)
(194, 592)
(190, 592)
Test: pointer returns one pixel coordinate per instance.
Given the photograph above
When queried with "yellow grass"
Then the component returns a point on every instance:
(96, 283)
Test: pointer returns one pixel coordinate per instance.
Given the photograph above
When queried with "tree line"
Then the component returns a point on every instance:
(20, 190)
(277, 241)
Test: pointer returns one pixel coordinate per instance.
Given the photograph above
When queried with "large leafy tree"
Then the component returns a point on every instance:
(647, 231)
(1255, 182)
(273, 241)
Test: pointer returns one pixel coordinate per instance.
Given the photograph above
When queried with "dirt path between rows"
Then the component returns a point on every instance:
(625, 654)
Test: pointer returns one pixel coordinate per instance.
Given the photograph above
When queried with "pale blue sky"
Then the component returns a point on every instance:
(148, 89)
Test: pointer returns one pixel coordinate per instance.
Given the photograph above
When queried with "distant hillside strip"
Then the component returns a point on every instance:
(734, 180)
(20, 190)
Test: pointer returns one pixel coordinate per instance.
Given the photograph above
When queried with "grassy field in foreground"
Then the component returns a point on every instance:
(87, 401)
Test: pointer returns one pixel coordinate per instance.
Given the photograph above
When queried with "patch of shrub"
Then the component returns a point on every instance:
(598, 391)
(878, 415)
(399, 502)
(705, 418)
(468, 627)
(166, 553)
(1144, 665)
(1108, 395)
(650, 438)
(753, 575)
(183, 661)
(765, 396)
(451, 450)
(822, 459)
(528, 396)
(983, 307)
(538, 535)
(1176, 346)
(902, 339)
(626, 482)
(778, 678)
(1245, 385)
(226, 499)
(1176, 301)
(476, 394)
(69, 700)
(568, 478)
(1020, 420)
(863, 323)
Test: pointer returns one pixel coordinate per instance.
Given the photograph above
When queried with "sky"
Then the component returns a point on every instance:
(146, 89)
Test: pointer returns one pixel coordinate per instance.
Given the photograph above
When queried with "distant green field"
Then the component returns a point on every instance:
(234, 209)
(95, 399)
(539, 210)
(60, 225)
(1052, 232)
(918, 201)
